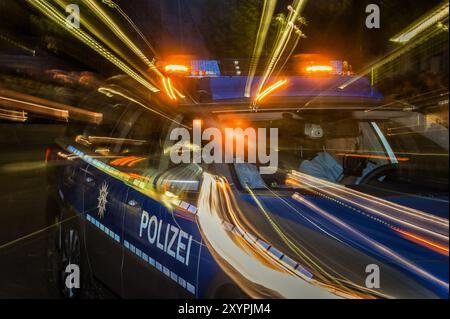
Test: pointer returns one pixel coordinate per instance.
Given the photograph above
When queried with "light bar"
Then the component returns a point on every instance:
(178, 68)
(319, 68)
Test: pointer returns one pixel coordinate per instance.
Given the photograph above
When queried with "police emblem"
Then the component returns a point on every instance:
(102, 200)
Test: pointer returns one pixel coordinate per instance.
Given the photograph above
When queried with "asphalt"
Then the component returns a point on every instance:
(25, 271)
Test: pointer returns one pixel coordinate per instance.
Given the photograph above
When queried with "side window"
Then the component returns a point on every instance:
(143, 152)
(96, 140)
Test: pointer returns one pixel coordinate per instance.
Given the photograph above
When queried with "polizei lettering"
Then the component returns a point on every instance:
(170, 239)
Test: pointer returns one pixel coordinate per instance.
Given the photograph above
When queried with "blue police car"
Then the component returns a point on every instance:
(357, 205)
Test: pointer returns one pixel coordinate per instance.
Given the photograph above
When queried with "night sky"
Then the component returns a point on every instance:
(335, 27)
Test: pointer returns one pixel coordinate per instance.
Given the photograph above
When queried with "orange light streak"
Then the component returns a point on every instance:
(270, 89)
(319, 68)
(427, 243)
(400, 159)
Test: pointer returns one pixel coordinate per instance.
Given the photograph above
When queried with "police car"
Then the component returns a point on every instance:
(128, 215)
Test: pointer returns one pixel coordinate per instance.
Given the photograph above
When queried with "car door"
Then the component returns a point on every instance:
(162, 243)
(104, 196)
(160, 254)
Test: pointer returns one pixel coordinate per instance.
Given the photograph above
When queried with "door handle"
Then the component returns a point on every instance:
(133, 203)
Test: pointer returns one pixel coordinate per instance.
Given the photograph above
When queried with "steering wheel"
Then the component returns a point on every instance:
(375, 174)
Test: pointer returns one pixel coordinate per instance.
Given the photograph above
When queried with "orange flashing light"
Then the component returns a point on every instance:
(400, 159)
(318, 68)
(176, 68)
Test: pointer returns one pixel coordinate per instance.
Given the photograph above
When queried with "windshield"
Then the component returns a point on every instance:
(405, 152)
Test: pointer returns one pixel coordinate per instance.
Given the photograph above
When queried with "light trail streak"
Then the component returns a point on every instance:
(256, 273)
(111, 4)
(17, 116)
(107, 41)
(230, 210)
(59, 19)
(264, 25)
(279, 231)
(270, 89)
(107, 90)
(35, 105)
(127, 161)
(114, 140)
(35, 108)
(340, 150)
(172, 93)
(281, 42)
(102, 15)
(166, 85)
(385, 59)
(328, 279)
(298, 36)
(418, 132)
(325, 277)
(375, 245)
(400, 159)
(424, 23)
(136, 161)
(414, 99)
(434, 228)
(440, 248)
(320, 184)
(17, 44)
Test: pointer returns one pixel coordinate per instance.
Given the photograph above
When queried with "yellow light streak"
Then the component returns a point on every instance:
(422, 24)
(270, 89)
(58, 18)
(427, 243)
(111, 4)
(281, 42)
(167, 88)
(400, 159)
(35, 107)
(264, 24)
(102, 15)
(17, 116)
(394, 54)
(374, 244)
(169, 84)
(257, 274)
